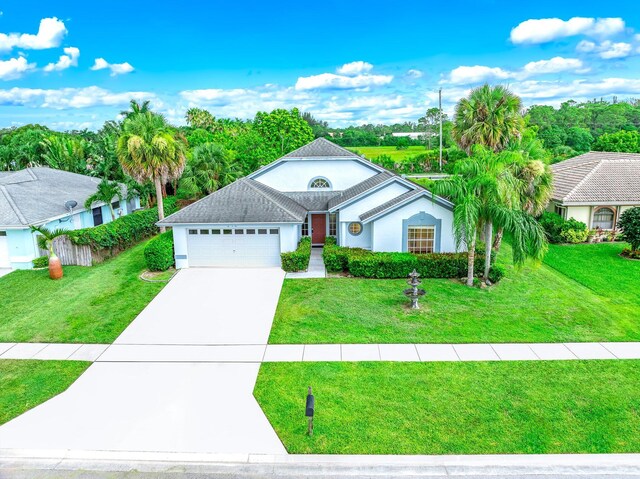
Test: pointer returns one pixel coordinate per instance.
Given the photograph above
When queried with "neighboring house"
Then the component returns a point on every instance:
(317, 190)
(596, 187)
(41, 196)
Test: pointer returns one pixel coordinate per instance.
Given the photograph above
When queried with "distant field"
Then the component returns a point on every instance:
(371, 152)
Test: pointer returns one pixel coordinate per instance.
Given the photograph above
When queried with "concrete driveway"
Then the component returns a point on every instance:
(147, 405)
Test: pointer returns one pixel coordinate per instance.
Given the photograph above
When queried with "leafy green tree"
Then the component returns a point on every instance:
(629, 223)
(199, 136)
(283, 130)
(490, 117)
(135, 108)
(149, 151)
(106, 192)
(621, 141)
(580, 139)
(22, 147)
(320, 128)
(64, 152)
(199, 118)
(210, 168)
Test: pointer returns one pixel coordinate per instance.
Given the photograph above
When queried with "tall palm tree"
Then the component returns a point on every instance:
(210, 168)
(136, 107)
(148, 150)
(105, 193)
(490, 117)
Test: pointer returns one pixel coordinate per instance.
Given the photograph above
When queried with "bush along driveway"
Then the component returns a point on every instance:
(88, 305)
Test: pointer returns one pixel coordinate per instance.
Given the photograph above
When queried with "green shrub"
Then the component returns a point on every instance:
(158, 254)
(41, 262)
(496, 273)
(123, 232)
(630, 224)
(297, 260)
(366, 264)
(559, 230)
(631, 253)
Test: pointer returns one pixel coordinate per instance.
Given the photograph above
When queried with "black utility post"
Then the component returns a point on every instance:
(311, 405)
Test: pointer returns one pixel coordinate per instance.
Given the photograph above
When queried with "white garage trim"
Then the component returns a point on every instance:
(4, 250)
(233, 247)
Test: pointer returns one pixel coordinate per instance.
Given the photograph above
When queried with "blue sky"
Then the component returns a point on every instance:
(76, 64)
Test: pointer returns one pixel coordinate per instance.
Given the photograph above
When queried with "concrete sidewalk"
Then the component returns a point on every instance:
(316, 267)
(258, 353)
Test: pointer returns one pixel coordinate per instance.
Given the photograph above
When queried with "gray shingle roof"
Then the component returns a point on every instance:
(313, 200)
(391, 203)
(35, 195)
(243, 201)
(359, 188)
(321, 147)
(598, 177)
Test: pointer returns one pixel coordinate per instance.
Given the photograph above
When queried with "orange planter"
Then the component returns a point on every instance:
(55, 268)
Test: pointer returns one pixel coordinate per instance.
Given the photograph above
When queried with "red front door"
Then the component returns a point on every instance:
(318, 228)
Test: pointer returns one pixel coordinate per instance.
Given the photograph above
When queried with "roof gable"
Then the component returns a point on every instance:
(321, 148)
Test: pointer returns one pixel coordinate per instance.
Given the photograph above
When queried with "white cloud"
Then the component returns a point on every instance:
(413, 73)
(331, 81)
(548, 29)
(578, 89)
(116, 68)
(69, 59)
(50, 35)
(465, 75)
(553, 65)
(14, 68)
(606, 50)
(355, 68)
(69, 98)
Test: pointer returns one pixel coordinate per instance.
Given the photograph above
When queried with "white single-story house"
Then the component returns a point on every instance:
(318, 190)
(596, 188)
(49, 197)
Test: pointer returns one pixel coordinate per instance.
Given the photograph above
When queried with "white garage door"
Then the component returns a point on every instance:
(233, 247)
(4, 250)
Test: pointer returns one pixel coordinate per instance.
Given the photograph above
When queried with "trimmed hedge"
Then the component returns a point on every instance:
(41, 262)
(158, 254)
(366, 264)
(297, 260)
(123, 232)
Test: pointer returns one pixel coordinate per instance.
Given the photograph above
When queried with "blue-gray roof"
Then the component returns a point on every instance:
(34, 195)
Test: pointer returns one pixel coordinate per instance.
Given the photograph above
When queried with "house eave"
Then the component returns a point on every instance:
(596, 203)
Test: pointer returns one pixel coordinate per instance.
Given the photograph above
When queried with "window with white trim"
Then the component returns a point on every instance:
(305, 226)
(603, 218)
(319, 184)
(333, 225)
(421, 239)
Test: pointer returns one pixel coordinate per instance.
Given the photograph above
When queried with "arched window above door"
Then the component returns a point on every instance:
(319, 183)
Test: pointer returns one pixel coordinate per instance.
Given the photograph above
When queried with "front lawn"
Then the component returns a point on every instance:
(88, 305)
(531, 407)
(372, 152)
(25, 383)
(587, 297)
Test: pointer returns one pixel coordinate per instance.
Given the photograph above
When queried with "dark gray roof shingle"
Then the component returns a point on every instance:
(34, 195)
(597, 177)
(359, 188)
(321, 147)
(391, 203)
(313, 200)
(243, 201)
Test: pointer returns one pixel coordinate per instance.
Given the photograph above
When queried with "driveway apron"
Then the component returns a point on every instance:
(166, 406)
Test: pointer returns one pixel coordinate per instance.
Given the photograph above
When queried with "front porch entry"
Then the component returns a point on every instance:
(318, 228)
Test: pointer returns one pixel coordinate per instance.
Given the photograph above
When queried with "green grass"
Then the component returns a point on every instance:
(589, 297)
(26, 383)
(88, 305)
(372, 152)
(455, 408)
(600, 268)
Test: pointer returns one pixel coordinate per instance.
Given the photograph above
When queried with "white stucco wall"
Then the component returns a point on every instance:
(363, 240)
(387, 230)
(353, 211)
(295, 175)
(580, 213)
(289, 237)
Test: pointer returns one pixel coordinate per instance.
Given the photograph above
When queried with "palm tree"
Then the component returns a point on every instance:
(135, 107)
(149, 150)
(105, 193)
(489, 116)
(45, 241)
(210, 168)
